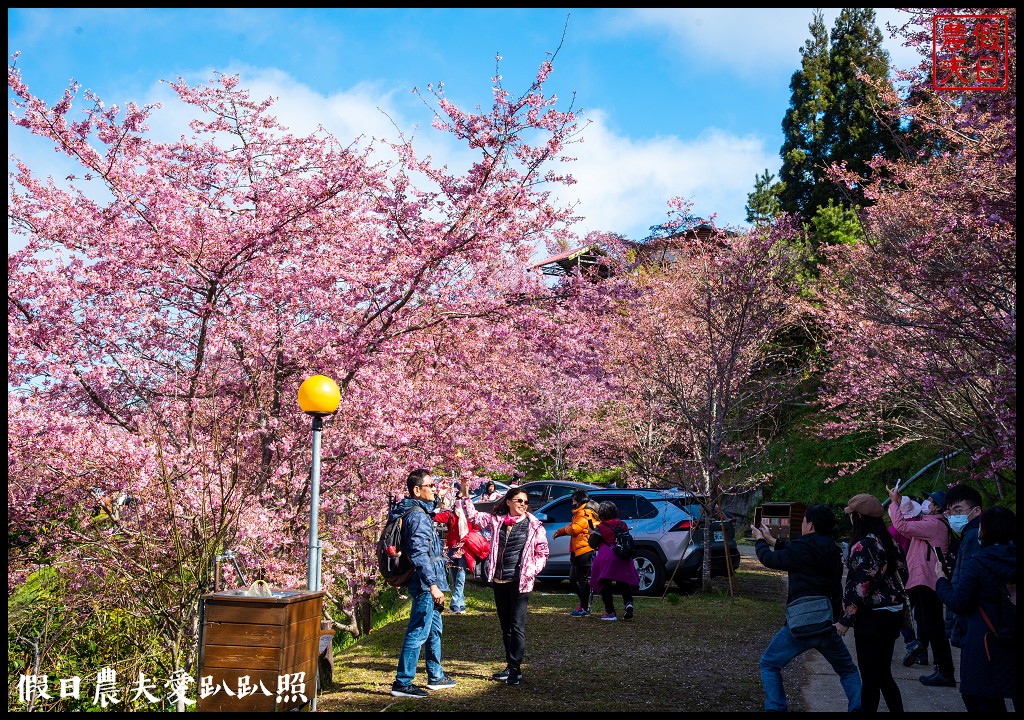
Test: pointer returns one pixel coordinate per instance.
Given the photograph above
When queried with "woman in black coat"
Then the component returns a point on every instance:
(987, 676)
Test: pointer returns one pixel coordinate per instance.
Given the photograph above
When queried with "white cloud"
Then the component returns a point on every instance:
(624, 183)
(754, 41)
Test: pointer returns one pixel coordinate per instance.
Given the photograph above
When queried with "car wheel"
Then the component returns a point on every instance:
(651, 572)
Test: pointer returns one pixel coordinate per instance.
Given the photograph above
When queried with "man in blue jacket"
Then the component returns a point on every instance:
(963, 511)
(423, 546)
(815, 566)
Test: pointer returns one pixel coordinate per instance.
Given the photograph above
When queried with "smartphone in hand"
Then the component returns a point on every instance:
(944, 561)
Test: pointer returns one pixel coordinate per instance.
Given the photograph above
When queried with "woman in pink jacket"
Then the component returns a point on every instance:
(910, 509)
(927, 533)
(519, 551)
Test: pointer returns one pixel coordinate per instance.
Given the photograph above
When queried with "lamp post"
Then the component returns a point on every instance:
(318, 396)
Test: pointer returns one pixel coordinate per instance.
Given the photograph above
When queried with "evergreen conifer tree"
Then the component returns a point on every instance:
(804, 149)
(854, 129)
(763, 204)
(832, 115)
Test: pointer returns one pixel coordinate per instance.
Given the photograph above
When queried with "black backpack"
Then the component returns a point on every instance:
(624, 545)
(1003, 625)
(392, 560)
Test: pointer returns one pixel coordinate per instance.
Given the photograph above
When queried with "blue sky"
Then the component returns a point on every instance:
(681, 101)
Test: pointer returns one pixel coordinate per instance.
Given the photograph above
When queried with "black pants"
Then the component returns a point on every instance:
(511, 605)
(931, 626)
(608, 588)
(982, 703)
(875, 637)
(580, 570)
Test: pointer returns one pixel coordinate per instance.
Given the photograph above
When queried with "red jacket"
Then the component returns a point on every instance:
(451, 519)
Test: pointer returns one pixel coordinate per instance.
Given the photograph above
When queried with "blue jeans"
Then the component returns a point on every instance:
(424, 627)
(784, 647)
(458, 589)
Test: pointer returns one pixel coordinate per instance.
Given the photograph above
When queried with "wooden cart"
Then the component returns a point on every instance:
(262, 639)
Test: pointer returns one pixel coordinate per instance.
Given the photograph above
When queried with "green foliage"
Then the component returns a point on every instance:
(832, 224)
(529, 462)
(763, 203)
(804, 148)
(832, 113)
(854, 132)
(836, 224)
(533, 465)
(48, 636)
(803, 469)
(597, 477)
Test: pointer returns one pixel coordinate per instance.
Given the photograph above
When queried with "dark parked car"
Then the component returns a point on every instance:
(661, 522)
(478, 492)
(541, 492)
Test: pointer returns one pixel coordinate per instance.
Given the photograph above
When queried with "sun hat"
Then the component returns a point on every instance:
(866, 504)
(910, 508)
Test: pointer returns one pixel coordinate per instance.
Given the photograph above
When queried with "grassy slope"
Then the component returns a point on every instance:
(803, 463)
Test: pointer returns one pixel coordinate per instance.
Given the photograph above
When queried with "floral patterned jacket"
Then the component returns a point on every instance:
(535, 552)
(870, 582)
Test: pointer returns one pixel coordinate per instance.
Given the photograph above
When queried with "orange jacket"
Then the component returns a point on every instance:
(584, 519)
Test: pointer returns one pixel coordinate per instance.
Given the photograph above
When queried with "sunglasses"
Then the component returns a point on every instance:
(518, 501)
(428, 485)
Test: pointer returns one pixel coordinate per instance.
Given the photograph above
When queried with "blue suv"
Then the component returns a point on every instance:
(662, 523)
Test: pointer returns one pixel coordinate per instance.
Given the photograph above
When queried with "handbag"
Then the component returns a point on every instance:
(475, 545)
(809, 616)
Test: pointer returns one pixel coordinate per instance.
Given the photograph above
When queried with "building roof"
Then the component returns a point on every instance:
(564, 262)
(654, 251)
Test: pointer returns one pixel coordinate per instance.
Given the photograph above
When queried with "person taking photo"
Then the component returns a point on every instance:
(815, 565)
(519, 551)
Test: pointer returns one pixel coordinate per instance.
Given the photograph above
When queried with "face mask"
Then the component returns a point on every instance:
(926, 507)
(957, 522)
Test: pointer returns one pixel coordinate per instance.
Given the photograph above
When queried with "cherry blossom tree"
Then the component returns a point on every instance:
(571, 392)
(171, 298)
(700, 355)
(642, 422)
(922, 315)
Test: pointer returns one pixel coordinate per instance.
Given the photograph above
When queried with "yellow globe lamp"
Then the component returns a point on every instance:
(319, 395)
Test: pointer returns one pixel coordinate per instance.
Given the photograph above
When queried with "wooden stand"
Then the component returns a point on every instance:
(785, 520)
(263, 638)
